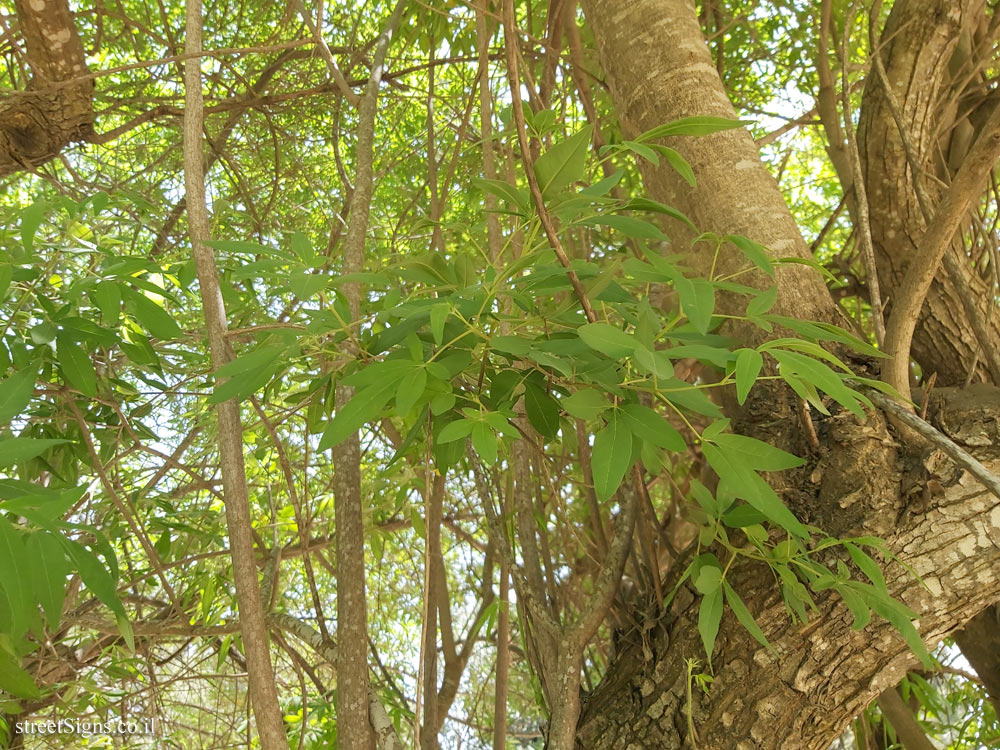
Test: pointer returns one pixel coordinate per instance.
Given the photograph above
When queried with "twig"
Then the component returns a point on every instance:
(510, 43)
(935, 437)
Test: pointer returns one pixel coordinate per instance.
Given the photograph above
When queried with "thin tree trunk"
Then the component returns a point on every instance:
(263, 688)
(353, 726)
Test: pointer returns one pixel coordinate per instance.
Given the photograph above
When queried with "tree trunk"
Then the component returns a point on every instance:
(57, 106)
(824, 673)
(920, 54)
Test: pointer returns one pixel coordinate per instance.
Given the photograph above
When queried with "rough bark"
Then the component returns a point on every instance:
(659, 69)
(56, 107)
(824, 673)
(918, 51)
(653, 53)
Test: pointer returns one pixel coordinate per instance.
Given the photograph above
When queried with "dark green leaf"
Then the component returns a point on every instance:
(709, 618)
(542, 409)
(76, 366)
(151, 316)
(611, 457)
(14, 680)
(693, 125)
(564, 163)
(456, 430)
(748, 364)
(756, 454)
(17, 573)
(607, 339)
(485, 442)
(585, 403)
(743, 615)
(363, 407)
(16, 392)
(50, 571)
(410, 389)
(108, 296)
(650, 427)
(16, 449)
(755, 253)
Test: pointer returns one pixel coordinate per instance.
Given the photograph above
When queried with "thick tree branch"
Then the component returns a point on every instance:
(909, 295)
(37, 124)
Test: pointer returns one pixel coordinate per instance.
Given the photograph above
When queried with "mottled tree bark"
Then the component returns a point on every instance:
(56, 106)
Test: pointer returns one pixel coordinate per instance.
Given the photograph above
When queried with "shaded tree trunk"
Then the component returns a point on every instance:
(931, 53)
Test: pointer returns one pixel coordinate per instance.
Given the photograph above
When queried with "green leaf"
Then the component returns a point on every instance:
(639, 149)
(76, 366)
(43, 333)
(16, 449)
(650, 427)
(709, 618)
(748, 364)
(629, 226)
(304, 284)
(607, 339)
(542, 409)
(743, 482)
(762, 302)
(507, 193)
(248, 373)
(410, 389)
(17, 572)
(755, 252)
(654, 362)
(867, 566)
(439, 314)
(516, 345)
(50, 571)
(95, 576)
(151, 316)
(694, 125)
(647, 204)
(709, 579)
(701, 304)
(743, 615)
(254, 360)
(484, 440)
(742, 516)
(678, 162)
(31, 219)
(611, 457)
(756, 454)
(108, 296)
(585, 403)
(456, 430)
(16, 392)
(819, 375)
(362, 408)
(564, 163)
(858, 606)
(15, 680)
